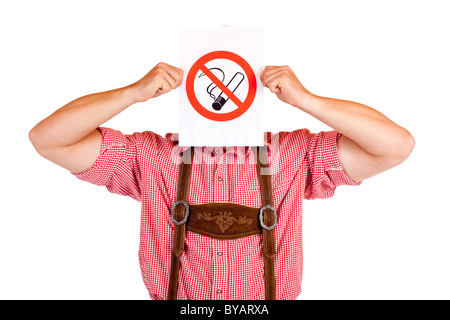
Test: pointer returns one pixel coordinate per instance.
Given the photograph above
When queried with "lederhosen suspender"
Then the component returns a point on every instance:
(225, 221)
(179, 217)
(268, 221)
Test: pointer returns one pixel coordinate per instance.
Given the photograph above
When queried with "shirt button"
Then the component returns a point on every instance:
(220, 179)
(219, 291)
(219, 253)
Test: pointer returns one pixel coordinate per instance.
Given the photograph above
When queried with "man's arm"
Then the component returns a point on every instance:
(69, 137)
(370, 142)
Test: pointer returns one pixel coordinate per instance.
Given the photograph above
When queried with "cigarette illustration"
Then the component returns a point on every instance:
(221, 98)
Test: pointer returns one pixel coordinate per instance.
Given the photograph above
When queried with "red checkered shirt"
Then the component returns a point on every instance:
(144, 166)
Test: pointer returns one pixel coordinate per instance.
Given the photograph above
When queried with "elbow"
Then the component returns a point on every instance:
(404, 146)
(33, 137)
(411, 144)
(37, 139)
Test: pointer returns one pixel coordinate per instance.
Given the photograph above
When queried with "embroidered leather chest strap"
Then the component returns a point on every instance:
(180, 213)
(223, 220)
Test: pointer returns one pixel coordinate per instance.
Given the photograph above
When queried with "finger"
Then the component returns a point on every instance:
(170, 80)
(268, 70)
(273, 86)
(174, 72)
(275, 80)
(178, 75)
(274, 75)
(164, 87)
(261, 77)
(263, 83)
(268, 74)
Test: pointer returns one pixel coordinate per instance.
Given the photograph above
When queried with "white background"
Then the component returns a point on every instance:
(61, 238)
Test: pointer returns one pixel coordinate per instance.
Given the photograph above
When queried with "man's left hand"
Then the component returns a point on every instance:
(282, 81)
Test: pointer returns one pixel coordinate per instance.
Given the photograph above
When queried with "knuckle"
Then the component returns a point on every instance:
(158, 71)
(160, 67)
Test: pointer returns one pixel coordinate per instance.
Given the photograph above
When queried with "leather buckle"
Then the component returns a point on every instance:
(261, 217)
(186, 213)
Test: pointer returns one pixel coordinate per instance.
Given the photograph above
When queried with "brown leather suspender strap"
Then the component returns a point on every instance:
(180, 212)
(268, 220)
(246, 222)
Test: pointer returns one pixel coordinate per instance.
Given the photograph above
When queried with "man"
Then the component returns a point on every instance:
(303, 166)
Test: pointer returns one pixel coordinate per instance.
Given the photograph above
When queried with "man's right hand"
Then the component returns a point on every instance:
(160, 80)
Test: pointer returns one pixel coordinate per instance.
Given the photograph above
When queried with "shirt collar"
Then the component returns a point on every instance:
(238, 151)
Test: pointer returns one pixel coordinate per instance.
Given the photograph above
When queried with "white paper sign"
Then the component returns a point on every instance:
(221, 96)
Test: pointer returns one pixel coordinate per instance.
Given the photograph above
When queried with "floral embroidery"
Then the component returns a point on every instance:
(224, 220)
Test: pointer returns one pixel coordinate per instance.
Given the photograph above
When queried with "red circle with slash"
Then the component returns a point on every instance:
(242, 106)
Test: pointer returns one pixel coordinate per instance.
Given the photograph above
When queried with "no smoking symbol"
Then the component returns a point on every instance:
(242, 106)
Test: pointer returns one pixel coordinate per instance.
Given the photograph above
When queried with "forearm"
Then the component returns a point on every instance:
(74, 121)
(368, 128)
(69, 137)
(371, 143)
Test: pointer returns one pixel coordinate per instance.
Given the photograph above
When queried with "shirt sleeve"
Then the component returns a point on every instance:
(324, 170)
(117, 168)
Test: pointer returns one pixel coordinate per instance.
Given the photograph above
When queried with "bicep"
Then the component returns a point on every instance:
(80, 156)
(359, 164)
